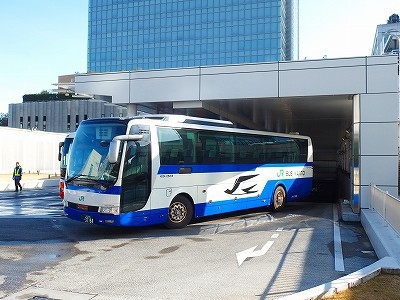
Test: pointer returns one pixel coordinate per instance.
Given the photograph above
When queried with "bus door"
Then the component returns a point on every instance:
(136, 177)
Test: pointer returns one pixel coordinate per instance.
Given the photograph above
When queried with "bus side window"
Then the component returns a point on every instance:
(210, 151)
(199, 153)
(188, 138)
(243, 150)
(188, 153)
(176, 156)
(170, 145)
(164, 155)
(302, 146)
(226, 153)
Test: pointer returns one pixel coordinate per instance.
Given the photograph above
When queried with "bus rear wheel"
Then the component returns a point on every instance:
(180, 213)
(279, 198)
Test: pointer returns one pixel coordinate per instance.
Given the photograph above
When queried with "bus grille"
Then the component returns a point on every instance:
(83, 207)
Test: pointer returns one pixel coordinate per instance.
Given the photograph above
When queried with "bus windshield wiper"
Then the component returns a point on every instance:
(73, 178)
(86, 179)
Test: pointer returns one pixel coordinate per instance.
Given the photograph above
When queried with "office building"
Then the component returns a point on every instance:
(60, 116)
(128, 35)
(61, 111)
(387, 37)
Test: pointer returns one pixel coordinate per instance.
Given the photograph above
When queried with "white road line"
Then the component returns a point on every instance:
(339, 264)
(275, 236)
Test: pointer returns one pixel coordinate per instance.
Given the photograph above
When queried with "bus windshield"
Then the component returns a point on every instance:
(89, 161)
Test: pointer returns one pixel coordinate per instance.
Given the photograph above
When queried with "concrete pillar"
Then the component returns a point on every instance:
(131, 109)
(375, 146)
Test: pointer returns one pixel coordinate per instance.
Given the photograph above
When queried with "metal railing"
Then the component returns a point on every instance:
(387, 206)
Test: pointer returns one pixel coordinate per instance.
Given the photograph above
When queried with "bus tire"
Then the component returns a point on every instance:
(279, 198)
(180, 213)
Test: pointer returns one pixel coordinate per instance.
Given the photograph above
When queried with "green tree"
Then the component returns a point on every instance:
(393, 19)
(3, 119)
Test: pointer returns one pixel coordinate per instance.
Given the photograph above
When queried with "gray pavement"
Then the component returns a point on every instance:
(384, 239)
(386, 243)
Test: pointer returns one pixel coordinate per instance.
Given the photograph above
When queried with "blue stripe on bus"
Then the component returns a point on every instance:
(113, 190)
(215, 168)
(295, 188)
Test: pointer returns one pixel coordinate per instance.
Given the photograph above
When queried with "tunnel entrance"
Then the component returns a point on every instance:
(328, 120)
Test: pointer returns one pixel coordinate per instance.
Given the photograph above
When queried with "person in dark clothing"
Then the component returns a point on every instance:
(17, 175)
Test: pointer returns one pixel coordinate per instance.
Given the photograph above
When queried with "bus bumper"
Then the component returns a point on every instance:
(134, 219)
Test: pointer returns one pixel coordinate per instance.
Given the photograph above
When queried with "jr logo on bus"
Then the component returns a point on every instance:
(81, 198)
(280, 173)
(238, 183)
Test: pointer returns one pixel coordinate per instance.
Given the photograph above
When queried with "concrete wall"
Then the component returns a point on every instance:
(372, 83)
(377, 150)
(375, 126)
(346, 76)
(34, 150)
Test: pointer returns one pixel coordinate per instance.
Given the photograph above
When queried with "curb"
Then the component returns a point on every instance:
(31, 184)
(386, 264)
(384, 239)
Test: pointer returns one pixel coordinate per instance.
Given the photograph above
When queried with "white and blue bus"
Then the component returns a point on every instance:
(170, 169)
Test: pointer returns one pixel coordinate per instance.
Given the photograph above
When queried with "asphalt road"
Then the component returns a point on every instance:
(256, 254)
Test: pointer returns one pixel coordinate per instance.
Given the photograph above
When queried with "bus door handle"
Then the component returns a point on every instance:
(186, 170)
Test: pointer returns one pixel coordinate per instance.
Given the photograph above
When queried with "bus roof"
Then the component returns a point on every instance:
(215, 127)
(191, 122)
(186, 120)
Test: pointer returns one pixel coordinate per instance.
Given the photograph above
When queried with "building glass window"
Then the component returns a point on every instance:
(133, 38)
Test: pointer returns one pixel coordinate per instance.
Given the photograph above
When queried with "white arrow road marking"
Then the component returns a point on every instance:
(243, 255)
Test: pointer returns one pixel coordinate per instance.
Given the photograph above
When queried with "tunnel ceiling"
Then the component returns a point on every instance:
(325, 118)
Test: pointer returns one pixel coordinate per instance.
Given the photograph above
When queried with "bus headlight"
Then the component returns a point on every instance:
(111, 210)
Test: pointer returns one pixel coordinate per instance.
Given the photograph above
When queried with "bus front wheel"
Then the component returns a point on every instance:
(180, 213)
(279, 198)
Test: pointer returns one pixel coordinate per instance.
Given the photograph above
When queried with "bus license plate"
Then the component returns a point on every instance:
(87, 219)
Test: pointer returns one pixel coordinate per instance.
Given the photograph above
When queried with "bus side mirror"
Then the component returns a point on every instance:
(60, 145)
(113, 151)
(115, 144)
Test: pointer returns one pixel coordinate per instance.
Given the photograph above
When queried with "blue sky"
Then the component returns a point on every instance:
(42, 39)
